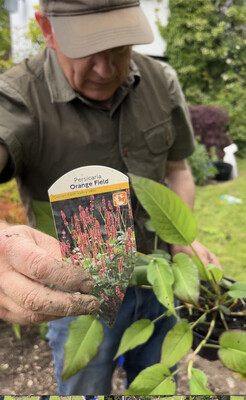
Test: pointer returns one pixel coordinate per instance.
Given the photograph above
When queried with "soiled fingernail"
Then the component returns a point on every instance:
(87, 285)
(92, 306)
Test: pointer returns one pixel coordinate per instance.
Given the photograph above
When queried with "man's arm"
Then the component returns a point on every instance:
(30, 262)
(179, 179)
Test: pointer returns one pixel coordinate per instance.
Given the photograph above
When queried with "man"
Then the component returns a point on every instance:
(87, 99)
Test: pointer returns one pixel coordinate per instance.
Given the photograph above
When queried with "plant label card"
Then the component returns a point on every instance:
(92, 211)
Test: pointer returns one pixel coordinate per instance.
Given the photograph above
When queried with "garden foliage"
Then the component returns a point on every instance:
(210, 124)
(201, 164)
(5, 41)
(182, 279)
(206, 45)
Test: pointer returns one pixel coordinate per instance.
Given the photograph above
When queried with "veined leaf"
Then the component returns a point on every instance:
(197, 383)
(139, 276)
(238, 290)
(172, 219)
(215, 272)
(186, 279)
(233, 350)
(177, 343)
(44, 219)
(160, 275)
(85, 336)
(139, 332)
(201, 268)
(153, 380)
(149, 226)
(17, 330)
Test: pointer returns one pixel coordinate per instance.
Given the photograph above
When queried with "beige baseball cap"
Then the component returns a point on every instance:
(85, 27)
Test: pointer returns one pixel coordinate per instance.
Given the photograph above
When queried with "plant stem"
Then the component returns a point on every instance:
(215, 346)
(160, 316)
(149, 257)
(239, 313)
(145, 287)
(156, 242)
(211, 294)
(223, 320)
(198, 320)
(203, 342)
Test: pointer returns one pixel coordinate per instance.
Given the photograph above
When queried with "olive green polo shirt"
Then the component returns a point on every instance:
(50, 129)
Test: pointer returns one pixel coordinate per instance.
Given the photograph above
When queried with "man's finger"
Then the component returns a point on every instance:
(17, 315)
(26, 257)
(36, 297)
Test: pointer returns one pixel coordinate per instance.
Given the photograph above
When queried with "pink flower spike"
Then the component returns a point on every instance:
(63, 215)
(120, 266)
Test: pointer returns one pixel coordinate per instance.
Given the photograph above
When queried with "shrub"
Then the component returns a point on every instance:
(200, 163)
(5, 42)
(210, 125)
(206, 44)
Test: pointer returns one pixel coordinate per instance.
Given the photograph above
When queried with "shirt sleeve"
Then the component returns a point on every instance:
(15, 126)
(184, 144)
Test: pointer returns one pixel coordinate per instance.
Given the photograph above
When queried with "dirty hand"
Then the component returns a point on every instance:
(205, 255)
(29, 262)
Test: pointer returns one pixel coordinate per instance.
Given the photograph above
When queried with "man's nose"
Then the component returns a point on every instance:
(104, 64)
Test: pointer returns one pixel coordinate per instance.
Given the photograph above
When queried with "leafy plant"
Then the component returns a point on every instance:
(210, 124)
(5, 41)
(199, 289)
(201, 165)
(35, 35)
(206, 45)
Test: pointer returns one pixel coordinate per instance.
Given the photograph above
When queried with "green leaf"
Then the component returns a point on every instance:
(149, 226)
(233, 350)
(186, 279)
(44, 219)
(139, 276)
(215, 272)
(173, 221)
(17, 330)
(160, 276)
(153, 380)
(238, 290)
(197, 383)
(201, 268)
(224, 309)
(177, 343)
(139, 332)
(159, 253)
(85, 336)
(237, 397)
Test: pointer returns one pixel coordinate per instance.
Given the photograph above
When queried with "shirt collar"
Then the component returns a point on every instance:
(61, 91)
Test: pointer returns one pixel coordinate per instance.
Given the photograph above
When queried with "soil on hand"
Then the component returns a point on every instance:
(26, 368)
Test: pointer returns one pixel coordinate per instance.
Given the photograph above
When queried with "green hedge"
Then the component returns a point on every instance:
(206, 44)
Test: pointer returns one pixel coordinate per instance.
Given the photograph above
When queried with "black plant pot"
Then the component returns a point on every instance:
(209, 353)
(199, 332)
(224, 170)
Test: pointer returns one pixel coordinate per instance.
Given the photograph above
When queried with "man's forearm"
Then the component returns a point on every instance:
(179, 179)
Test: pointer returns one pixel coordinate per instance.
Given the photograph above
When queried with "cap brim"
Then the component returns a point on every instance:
(83, 35)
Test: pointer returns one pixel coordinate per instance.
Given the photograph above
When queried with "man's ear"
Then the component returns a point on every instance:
(45, 28)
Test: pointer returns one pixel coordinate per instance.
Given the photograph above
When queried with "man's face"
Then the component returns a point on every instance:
(98, 76)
